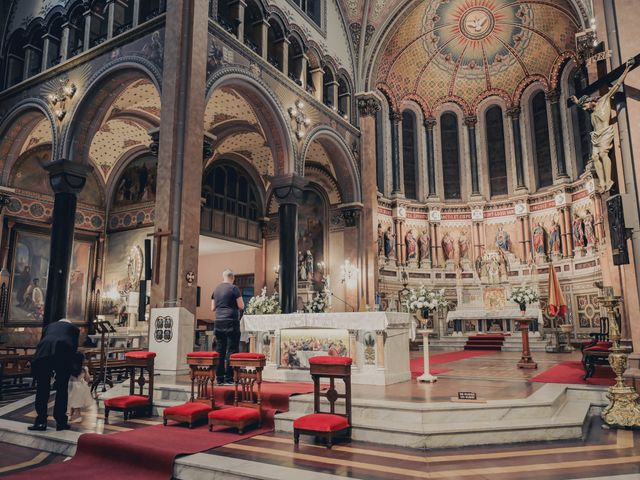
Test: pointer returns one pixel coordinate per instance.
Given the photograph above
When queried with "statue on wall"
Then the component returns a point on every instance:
(503, 240)
(555, 245)
(309, 264)
(389, 247)
(578, 231)
(463, 246)
(412, 245)
(447, 247)
(302, 266)
(424, 244)
(589, 229)
(602, 134)
(380, 240)
(539, 240)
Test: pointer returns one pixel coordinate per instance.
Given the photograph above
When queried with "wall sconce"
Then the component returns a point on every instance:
(296, 113)
(348, 272)
(59, 97)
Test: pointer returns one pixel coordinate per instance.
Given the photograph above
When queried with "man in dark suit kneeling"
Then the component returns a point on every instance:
(54, 353)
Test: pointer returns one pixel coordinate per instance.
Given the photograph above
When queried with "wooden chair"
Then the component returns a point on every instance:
(135, 404)
(202, 367)
(322, 424)
(247, 400)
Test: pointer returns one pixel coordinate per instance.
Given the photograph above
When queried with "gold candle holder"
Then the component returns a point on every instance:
(623, 410)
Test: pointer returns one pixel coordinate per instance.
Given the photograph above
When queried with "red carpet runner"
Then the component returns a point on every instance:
(572, 372)
(149, 453)
(417, 364)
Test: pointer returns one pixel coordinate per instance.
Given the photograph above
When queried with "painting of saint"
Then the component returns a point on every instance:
(503, 240)
(137, 183)
(389, 247)
(578, 231)
(380, 240)
(29, 277)
(447, 246)
(463, 246)
(424, 244)
(555, 245)
(412, 246)
(539, 240)
(589, 230)
(311, 230)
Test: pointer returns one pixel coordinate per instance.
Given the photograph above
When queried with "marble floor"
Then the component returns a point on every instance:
(602, 453)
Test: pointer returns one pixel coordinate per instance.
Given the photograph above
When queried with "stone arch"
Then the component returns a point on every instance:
(103, 88)
(15, 129)
(268, 109)
(118, 169)
(342, 160)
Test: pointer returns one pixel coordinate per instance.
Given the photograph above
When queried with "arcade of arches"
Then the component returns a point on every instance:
(304, 145)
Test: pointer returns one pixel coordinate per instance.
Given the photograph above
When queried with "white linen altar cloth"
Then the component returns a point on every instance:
(505, 313)
(344, 320)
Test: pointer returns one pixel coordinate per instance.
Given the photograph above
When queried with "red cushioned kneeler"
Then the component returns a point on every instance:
(247, 405)
(322, 424)
(202, 370)
(135, 403)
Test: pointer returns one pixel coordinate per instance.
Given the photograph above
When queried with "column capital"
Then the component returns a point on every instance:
(395, 117)
(552, 95)
(514, 112)
(430, 122)
(66, 176)
(351, 213)
(470, 121)
(287, 189)
(368, 105)
(154, 145)
(207, 145)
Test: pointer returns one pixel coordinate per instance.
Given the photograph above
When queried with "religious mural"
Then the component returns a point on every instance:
(29, 278)
(298, 345)
(137, 183)
(311, 228)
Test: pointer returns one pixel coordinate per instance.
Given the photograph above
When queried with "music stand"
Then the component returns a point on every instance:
(104, 328)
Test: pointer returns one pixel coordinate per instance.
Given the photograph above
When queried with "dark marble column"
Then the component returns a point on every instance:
(556, 125)
(396, 118)
(67, 180)
(429, 123)
(288, 193)
(471, 122)
(514, 114)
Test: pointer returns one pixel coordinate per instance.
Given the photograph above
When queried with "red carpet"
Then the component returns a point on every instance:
(417, 363)
(572, 372)
(149, 453)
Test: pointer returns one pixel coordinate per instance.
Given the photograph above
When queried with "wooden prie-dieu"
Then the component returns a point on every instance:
(135, 403)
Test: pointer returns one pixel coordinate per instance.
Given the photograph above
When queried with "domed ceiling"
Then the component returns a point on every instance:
(466, 50)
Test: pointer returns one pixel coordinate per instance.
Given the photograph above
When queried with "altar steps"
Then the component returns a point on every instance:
(485, 342)
(554, 412)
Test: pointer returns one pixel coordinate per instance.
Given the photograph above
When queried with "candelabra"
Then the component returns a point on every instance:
(623, 410)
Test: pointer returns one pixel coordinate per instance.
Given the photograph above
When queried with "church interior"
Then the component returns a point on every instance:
(431, 209)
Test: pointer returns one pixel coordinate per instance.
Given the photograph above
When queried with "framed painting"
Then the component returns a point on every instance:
(298, 345)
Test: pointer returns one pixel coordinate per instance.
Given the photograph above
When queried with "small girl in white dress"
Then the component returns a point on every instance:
(79, 391)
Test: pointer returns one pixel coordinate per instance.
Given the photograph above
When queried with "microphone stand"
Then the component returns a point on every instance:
(343, 301)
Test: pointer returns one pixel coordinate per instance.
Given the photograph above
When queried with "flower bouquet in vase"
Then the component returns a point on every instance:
(421, 302)
(523, 296)
(263, 304)
(318, 304)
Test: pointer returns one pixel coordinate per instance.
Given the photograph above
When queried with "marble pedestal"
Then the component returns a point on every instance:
(378, 342)
(426, 376)
(171, 336)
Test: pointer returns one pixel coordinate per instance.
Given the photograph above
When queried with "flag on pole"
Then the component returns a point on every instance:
(557, 304)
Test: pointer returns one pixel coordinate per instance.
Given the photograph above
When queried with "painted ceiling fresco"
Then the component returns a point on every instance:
(465, 50)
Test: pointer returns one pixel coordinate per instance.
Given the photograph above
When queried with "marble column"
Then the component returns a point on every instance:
(429, 124)
(368, 107)
(67, 180)
(477, 242)
(566, 217)
(556, 126)
(523, 236)
(471, 122)
(287, 190)
(563, 232)
(316, 77)
(136, 13)
(514, 115)
(436, 246)
(180, 153)
(396, 118)
(527, 230)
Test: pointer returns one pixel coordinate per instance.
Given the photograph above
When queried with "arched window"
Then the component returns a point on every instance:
(55, 41)
(296, 54)
(450, 155)
(379, 152)
(226, 17)
(275, 38)
(99, 23)
(231, 207)
(409, 154)
(253, 27)
(496, 152)
(15, 60)
(151, 8)
(581, 125)
(123, 17)
(33, 52)
(329, 90)
(311, 8)
(344, 98)
(542, 146)
(76, 32)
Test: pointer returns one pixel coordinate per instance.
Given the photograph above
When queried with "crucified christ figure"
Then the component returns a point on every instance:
(602, 135)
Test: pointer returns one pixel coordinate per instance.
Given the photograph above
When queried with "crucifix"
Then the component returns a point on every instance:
(600, 110)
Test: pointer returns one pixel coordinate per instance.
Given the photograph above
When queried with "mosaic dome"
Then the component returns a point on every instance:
(466, 50)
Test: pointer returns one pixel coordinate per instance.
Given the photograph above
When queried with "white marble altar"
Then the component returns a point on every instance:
(378, 342)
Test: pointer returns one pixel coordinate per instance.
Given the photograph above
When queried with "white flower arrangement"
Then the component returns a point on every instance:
(422, 298)
(263, 304)
(318, 303)
(523, 296)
